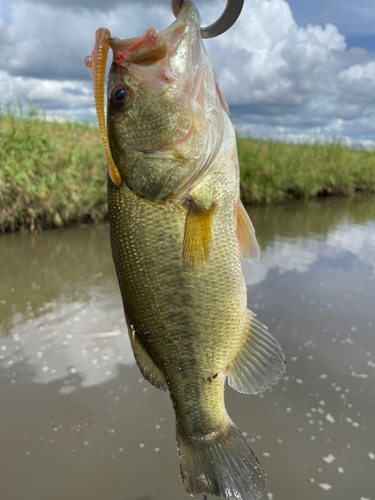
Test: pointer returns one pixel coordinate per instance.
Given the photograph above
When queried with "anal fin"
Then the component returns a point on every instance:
(197, 237)
(147, 366)
(247, 241)
(260, 362)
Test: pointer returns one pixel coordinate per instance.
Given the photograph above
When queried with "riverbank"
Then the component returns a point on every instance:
(274, 171)
(53, 174)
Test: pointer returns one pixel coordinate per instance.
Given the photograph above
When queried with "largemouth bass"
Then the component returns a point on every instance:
(178, 230)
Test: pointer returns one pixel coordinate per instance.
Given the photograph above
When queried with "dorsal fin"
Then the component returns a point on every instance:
(247, 241)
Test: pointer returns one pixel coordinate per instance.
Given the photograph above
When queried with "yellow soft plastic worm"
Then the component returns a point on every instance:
(98, 62)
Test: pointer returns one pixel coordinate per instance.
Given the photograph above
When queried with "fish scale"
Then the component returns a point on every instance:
(181, 309)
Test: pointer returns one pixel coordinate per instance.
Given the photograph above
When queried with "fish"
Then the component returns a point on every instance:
(178, 231)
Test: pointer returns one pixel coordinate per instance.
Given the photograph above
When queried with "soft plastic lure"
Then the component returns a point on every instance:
(97, 61)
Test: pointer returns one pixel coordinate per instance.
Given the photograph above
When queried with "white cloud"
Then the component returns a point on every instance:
(281, 79)
(54, 44)
(358, 83)
(301, 79)
(71, 99)
(275, 60)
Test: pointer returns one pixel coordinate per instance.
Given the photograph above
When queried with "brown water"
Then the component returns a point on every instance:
(78, 422)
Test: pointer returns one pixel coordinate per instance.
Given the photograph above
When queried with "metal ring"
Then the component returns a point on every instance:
(230, 15)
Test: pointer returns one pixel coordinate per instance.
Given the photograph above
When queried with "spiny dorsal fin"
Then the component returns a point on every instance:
(260, 362)
(247, 241)
(197, 238)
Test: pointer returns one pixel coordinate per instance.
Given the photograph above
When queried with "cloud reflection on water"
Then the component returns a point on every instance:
(299, 254)
(58, 341)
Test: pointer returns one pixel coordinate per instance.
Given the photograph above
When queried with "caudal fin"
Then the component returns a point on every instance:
(223, 465)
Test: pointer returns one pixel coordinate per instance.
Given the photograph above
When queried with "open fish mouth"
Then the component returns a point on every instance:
(153, 44)
(146, 50)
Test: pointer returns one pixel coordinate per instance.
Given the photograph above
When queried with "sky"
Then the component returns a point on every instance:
(292, 70)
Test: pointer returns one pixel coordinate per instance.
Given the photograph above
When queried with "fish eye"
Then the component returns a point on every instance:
(120, 96)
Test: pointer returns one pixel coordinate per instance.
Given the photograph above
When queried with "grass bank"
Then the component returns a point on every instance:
(273, 171)
(54, 173)
(50, 173)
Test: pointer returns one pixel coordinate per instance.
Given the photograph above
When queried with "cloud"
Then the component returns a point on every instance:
(279, 78)
(300, 79)
(79, 4)
(283, 64)
(100, 5)
(351, 17)
(357, 84)
(71, 99)
(54, 44)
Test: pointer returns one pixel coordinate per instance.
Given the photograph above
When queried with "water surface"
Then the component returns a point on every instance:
(78, 421)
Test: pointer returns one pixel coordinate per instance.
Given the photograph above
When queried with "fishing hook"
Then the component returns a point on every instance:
(226, 20)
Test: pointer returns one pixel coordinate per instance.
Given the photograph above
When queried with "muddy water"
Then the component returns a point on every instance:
(78, 422)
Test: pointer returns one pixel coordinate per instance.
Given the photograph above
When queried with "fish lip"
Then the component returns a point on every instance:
(163, 44)
(185, 13)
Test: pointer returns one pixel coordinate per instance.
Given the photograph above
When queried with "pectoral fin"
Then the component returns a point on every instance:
(148, 368)
(197, 238)
(260, 362)
(247, 241)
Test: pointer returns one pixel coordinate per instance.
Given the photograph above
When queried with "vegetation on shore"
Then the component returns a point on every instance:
(50, 173)
(54, 173)
(274, 171)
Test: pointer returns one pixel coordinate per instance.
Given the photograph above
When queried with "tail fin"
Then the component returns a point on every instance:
(223, 465)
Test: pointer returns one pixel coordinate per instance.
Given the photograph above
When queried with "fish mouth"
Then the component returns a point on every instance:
(154, 45)
(149, 55)
(188, 15)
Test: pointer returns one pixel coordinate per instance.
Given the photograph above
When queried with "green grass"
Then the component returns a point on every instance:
(50, 173)
(273, 171)
(55, 173)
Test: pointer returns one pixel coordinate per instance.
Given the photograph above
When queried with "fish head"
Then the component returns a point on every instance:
(164, 108)
(145, 106)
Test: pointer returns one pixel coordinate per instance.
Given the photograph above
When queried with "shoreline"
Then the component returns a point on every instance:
(54, 174)
(100, 215)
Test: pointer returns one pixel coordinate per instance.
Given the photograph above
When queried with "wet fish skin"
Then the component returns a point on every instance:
(186, 310)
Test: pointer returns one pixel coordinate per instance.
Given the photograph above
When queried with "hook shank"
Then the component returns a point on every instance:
(230, 15)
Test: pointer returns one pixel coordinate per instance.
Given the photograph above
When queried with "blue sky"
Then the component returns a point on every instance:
(354, 19)
(290, 69)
